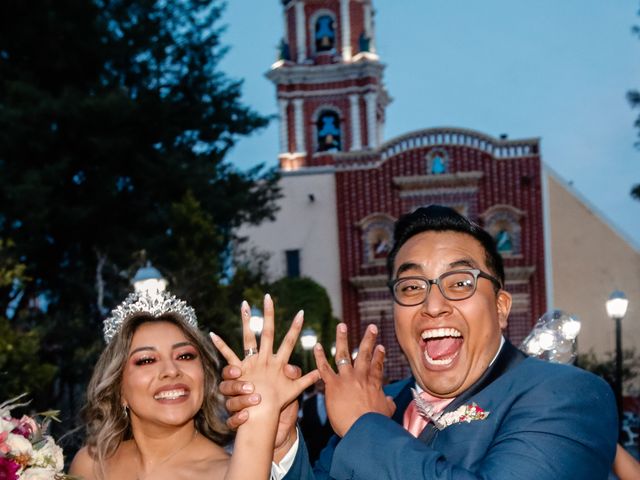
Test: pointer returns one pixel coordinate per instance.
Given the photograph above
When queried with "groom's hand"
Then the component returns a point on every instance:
(355, 389)
(240, 396)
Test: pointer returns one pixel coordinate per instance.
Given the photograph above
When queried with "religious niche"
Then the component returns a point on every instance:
(328, 132)
(325, 34)
(503, 223)
(377, 237)
(437, 161)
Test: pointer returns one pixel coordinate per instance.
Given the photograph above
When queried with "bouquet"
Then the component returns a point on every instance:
(26, 452)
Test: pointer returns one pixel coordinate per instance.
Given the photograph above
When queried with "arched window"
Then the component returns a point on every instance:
(503, 223)
(504, 241)
(325, 34)
(438, 161)
(377, 237)
(329, 136)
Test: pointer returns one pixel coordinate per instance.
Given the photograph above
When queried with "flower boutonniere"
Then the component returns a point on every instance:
(465, 413)
(441, 420)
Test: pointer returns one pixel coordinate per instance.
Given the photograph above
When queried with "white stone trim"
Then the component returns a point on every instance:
(301, 29)
(370, 100)
(284, 125)
(325, 92)
(368, 27)
(337, 72)
(298, 118)
(356, 134)
(345, 24)
(548, 247)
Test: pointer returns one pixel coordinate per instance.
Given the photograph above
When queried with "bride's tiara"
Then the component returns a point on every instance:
(156, 305)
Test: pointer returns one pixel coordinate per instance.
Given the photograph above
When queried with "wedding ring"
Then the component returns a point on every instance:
(343, 361)
(250, 351)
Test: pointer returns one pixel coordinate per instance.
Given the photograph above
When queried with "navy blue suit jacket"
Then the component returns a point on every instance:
(546, 422)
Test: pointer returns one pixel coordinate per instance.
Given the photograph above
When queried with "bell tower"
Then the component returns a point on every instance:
(328, 77)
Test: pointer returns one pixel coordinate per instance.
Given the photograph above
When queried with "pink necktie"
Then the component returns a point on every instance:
(413, 421)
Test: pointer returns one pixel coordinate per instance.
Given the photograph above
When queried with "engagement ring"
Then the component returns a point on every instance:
(343, 361)
(250, 351)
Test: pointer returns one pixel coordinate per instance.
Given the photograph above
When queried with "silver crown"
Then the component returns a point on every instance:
(155, 304)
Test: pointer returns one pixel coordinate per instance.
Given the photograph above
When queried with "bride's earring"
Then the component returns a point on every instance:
(125, 411)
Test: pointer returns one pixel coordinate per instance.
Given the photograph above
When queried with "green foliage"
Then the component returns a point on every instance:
(606, 367)
(114, 125)
(291, 295)
(633, 96)
(20, 367)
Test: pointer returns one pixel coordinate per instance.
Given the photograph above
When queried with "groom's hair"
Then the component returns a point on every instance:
(436, 218)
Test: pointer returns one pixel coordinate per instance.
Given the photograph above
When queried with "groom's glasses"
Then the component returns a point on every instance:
(454, 285)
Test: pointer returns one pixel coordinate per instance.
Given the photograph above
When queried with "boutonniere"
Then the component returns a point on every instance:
(464, 413)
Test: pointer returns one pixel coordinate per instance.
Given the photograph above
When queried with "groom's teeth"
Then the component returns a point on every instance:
(440, 332)
(170, 394)
(442, 361)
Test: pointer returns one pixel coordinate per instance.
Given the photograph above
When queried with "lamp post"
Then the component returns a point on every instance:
(149, 280)
(616, 309)
(308, 339)
(256, 321)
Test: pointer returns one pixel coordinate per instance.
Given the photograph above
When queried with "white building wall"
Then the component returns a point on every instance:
(589, 260)
(306, 224)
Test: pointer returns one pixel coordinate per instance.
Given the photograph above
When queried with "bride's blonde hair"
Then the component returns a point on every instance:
(107, 424)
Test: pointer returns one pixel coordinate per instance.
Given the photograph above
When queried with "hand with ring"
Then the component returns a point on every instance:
(264, 379)
(354, 389)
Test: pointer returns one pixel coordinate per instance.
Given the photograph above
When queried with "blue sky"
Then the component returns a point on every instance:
(554, 69)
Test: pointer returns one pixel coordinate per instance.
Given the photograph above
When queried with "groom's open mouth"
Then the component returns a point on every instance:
(441, 346)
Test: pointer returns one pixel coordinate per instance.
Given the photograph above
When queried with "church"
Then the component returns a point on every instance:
(344, 186)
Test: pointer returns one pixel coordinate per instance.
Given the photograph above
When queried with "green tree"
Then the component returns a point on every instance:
(114, 124)
(633, 96)
(605, 367)
(21, 370)
(291, 295)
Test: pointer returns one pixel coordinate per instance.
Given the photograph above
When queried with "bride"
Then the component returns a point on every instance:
(154, 410)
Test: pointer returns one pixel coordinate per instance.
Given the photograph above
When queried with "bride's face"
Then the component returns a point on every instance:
(163, 379)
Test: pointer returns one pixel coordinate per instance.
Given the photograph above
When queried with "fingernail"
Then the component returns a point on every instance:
(381, 348)
(235, 371)
(373, 328)
(247, 388)
(243, 415)
(267, 296)
(299, 317)
(342, 328)
(317, 347)
(213, 336)
(255, 398)
(244, 304)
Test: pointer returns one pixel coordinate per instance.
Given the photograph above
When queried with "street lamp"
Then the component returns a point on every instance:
(308, 339)
(616, 309)
(256, 320)
(149, 280)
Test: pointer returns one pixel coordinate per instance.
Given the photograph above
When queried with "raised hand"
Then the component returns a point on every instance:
(273, 388)
(355, 389)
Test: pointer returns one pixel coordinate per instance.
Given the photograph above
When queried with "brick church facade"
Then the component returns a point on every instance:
(345, 188)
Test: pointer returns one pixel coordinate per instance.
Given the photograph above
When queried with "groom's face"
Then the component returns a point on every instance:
(449, 344)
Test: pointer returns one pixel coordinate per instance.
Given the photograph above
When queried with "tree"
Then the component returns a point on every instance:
(114, 125)
(20, 367)
(290, 295)
(606, 367)
(634, 99)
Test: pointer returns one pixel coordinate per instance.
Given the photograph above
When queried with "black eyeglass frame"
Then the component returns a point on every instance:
(476, 272)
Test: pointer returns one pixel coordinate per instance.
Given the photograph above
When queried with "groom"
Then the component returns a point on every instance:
(483, 409)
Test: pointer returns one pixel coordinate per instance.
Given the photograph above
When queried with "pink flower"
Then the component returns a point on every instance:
(4, 448)
(26, 427)
(8, 469)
